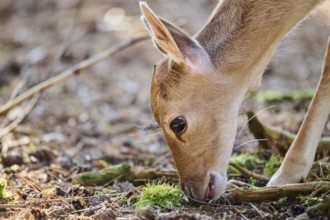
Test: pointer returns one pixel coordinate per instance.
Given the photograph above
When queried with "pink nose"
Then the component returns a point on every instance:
(204, 190)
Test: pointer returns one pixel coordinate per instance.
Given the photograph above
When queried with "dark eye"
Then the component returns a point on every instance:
(178, 125)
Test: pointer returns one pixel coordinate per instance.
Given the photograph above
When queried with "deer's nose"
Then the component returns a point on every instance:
(210, 189)
(204, 190)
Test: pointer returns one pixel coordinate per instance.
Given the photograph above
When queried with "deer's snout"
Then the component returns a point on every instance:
(204, 189)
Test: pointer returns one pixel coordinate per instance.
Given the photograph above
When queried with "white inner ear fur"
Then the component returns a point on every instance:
(198, 60)
(160, 34)
(181, 48)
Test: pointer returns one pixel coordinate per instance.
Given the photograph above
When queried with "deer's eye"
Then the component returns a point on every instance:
(178, 125)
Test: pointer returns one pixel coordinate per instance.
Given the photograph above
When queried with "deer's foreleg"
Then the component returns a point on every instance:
(299, 159)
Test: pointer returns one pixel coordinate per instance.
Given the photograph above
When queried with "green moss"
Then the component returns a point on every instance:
(272, 165)
(103, 176)
(3, 185)
(161, 195)
(309, 200)
(249, 161)
(148, 162)
(277, 96)
(326, 170)
(246, 160)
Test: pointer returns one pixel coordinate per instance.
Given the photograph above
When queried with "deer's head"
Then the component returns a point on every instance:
(196, 105)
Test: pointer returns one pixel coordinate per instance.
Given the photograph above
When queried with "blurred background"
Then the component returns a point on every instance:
(104, 112)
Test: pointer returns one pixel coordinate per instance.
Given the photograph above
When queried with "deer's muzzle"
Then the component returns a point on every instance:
(205, 190)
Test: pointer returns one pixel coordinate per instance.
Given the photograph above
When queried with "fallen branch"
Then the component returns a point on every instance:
(125, 172)
(75, 70)
(262, 194)
(12, 206)
(324, 205)
(277, 96)
(36, 202)
(6, 120)
(122, 172)
(278, 139)
(249, 173)
(21, 117)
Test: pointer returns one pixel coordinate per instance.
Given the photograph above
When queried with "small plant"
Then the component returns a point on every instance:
(246, 160)
(309, 200)
(272, 165)
(326, 170)
(3, 185)
(161, 195)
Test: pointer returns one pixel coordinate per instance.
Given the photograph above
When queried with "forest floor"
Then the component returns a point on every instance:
(101, 117)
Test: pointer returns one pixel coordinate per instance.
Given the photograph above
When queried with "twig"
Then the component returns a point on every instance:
(15, 92)
(324, 205)
(12, 206)
(278, 139)
(35, 203)
(67, 40)
(249, 173)
(262, 194)
(75, 70)
(21, 117)
(18, 88)
(30, 183)
(123, 172)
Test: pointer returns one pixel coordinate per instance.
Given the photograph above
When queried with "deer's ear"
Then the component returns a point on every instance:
(174, 42)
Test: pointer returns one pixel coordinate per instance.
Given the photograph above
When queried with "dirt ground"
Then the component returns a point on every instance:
(102, 116)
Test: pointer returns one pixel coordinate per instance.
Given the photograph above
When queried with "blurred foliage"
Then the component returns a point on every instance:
(3, 186)
(273, 163)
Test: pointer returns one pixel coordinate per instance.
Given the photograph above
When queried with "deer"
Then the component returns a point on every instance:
(198, 87)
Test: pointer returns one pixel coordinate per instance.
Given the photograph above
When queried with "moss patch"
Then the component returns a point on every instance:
(161, 195)
(272, 165)
(326, 170)
(3, 185)
(247, 161)
(277, 96)
(251, 161)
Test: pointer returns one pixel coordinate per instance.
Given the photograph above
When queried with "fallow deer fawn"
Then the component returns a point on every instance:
(197, 90)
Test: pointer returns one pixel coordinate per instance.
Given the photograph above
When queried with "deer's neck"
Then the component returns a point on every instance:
(241, 35)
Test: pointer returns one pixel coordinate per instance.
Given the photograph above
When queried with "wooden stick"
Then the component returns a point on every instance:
(20, 118)
(37, 202)
(278, 139)
(123, 172)
(12, 206)
(126, 172)
(262, 194)
(249, 173)
(277, 96)
(75, 70)
(240, 194)
(106, 175)
(324, 205)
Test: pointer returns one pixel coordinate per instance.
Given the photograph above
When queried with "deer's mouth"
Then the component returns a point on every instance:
(198, 192)
(215, 187)
(210, 192)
